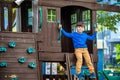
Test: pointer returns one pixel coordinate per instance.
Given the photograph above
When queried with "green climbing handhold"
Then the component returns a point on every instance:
(22, 60)
(59, 22)
(3, 49)
(95, 25)
(32, 65)
(3, 64)
(12, 44)
(15, 78)
(30, 50)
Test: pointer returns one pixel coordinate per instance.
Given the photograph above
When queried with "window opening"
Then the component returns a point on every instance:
(51, 15)
(86, 19)
(73, 21)
(14, 20)
(29, 22)
(5, 18)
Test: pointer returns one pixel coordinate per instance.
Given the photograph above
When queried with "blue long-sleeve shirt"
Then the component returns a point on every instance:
(79, 39)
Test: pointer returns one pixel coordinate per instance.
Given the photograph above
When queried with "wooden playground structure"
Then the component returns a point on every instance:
(42, 36)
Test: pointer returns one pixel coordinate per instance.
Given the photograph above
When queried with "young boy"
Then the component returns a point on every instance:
(79, 39)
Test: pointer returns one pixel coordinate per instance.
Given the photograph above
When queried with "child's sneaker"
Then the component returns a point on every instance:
(92, 75)
(80, 75)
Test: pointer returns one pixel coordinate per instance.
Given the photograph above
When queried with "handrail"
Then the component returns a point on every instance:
(41, 16)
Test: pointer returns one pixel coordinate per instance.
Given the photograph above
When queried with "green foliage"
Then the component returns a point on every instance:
(117, 46)
(108, 20)
(8, 0)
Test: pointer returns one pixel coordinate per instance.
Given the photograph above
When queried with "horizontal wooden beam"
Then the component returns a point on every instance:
(51, 57)
(54, 57)
(89, 5)
(106, 7)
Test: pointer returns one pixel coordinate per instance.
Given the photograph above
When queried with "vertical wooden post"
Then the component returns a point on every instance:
(95, 55)
(35, 16)
(69, 76)
(40, 70)
(10, 17)
(2, 17)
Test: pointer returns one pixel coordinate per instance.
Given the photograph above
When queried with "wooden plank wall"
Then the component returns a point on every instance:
(22, 71)
(48, 36)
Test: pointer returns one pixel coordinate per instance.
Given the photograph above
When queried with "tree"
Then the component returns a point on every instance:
(108, 20)
(117, 47)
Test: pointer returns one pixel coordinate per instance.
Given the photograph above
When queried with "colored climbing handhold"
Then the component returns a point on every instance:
(22, 60)
(30, 50)
(32, 65)
(15, 78)
(3, 64)
(95, 43)
(95, 25)
(3, 49)
(59, 22)
(12, 44)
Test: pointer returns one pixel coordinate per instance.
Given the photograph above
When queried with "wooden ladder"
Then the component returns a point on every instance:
(68, 57)
(69, 76)
(68, 67)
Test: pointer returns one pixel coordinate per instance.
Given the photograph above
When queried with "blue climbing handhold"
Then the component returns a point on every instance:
(95, 25)
(3, 49)
(32, 65)
(22, 60)
(14, 78)
(3, 64)
(30, 50)
(59, 22)
(12, 44)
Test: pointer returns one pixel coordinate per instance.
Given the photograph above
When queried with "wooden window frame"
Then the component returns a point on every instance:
(86, 20)
(51, 15)
(73, 24)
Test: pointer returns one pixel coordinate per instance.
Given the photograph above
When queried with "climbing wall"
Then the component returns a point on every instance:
(18, 56)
